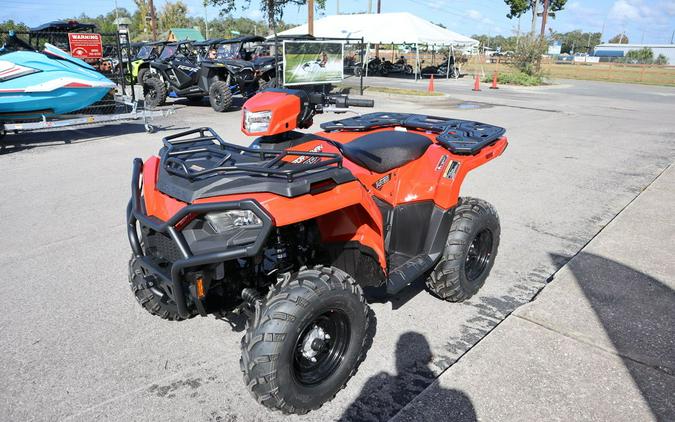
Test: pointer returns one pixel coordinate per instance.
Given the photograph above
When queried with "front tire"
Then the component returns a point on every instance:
(220, 96)
(150, 296)
(154, 92)
(469, 252)
(142, 75)
(306, 340)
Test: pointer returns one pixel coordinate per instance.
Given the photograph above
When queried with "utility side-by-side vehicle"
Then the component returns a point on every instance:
(179, 72)
(291, 230)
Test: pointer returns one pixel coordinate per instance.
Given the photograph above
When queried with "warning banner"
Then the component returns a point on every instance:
(85, 46)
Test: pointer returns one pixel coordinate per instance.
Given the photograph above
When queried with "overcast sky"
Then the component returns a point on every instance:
(651, 20)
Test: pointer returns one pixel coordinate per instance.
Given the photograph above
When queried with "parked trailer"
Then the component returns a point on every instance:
(131, 112)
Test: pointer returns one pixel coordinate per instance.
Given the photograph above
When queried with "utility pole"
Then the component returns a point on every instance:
(377, 47)
(206, 19)
(338, 7)
(310, 17)
(370, 6)
(544, 15)
(153, 20)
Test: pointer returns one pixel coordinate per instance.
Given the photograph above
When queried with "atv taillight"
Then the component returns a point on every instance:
(322, 186)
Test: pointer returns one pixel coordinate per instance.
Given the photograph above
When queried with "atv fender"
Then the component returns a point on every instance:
(456, 169)
(345, 213)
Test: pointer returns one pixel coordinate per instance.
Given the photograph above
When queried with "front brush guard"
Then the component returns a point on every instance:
(135, 213)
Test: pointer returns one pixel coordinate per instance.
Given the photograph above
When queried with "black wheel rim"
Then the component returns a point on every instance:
(152, 94)
(311, 367)
(219, 98)
(478, 255)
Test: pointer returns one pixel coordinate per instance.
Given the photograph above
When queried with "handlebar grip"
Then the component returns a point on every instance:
(355, 102)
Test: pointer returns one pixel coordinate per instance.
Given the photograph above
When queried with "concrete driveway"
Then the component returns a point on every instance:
(74, 344)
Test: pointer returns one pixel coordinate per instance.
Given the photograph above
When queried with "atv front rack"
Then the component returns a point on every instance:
(461, 137)
(196, 157)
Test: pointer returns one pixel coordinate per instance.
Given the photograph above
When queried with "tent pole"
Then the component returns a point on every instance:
(451, 52)
(417, 60)
(365, 62)
(361, 77)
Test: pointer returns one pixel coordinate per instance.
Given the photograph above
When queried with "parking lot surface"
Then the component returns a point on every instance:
(75, 345)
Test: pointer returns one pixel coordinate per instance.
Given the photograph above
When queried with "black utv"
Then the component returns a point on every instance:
(181, 72)
(249, 48)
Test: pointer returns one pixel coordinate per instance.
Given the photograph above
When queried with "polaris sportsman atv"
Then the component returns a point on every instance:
(179, 72)
(291, 230)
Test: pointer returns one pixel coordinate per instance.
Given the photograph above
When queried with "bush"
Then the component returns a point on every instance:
(517, 78)
(642, 56)
(528, 55)
(661, 60)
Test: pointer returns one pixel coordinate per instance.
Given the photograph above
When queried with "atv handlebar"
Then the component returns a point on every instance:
(356, 102)
(343, 101)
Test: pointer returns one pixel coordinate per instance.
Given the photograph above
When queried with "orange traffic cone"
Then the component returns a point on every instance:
(476, 83)
(430, 88)
(494, 81)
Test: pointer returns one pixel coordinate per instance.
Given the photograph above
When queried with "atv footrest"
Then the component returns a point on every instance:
(408, 272)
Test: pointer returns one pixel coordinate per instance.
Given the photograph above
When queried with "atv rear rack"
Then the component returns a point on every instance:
(182, 153)
(461, 137)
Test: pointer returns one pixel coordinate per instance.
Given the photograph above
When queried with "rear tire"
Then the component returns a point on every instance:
(154, 92)
(151, 297)
(220, 96)
(306, 340)
(469, 252)
(142, 75)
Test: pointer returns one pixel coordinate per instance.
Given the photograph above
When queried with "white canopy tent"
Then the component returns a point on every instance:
(386, 28)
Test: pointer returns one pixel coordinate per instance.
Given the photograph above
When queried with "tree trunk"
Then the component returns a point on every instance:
(534, 6)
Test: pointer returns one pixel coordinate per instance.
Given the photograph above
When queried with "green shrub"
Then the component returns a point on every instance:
(516, 78)
(661, 60)
(528, 55)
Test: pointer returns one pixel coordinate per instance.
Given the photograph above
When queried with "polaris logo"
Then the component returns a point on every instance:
(188, 68)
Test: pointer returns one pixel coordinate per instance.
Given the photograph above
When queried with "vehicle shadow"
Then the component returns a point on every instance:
(637, 312)
(237, 103)
(384, 395)
(28, 140)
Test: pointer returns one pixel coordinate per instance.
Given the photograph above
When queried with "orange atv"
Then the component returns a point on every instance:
(291, 230)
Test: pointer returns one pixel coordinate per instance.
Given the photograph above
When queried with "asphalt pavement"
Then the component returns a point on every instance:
(74, 344)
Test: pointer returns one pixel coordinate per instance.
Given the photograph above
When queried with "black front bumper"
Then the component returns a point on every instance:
(175, 278)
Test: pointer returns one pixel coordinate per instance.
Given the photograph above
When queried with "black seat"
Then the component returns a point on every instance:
(383, 151)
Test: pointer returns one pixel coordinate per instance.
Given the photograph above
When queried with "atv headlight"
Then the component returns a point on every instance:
(259, 121)
(228, 220)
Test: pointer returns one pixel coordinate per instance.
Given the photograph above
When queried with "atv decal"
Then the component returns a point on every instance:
(382, 181)
(451, 170)
(303, 159)
(441, 162)
(188, 68)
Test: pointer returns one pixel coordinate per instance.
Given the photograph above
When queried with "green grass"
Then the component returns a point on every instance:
(640, 74)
